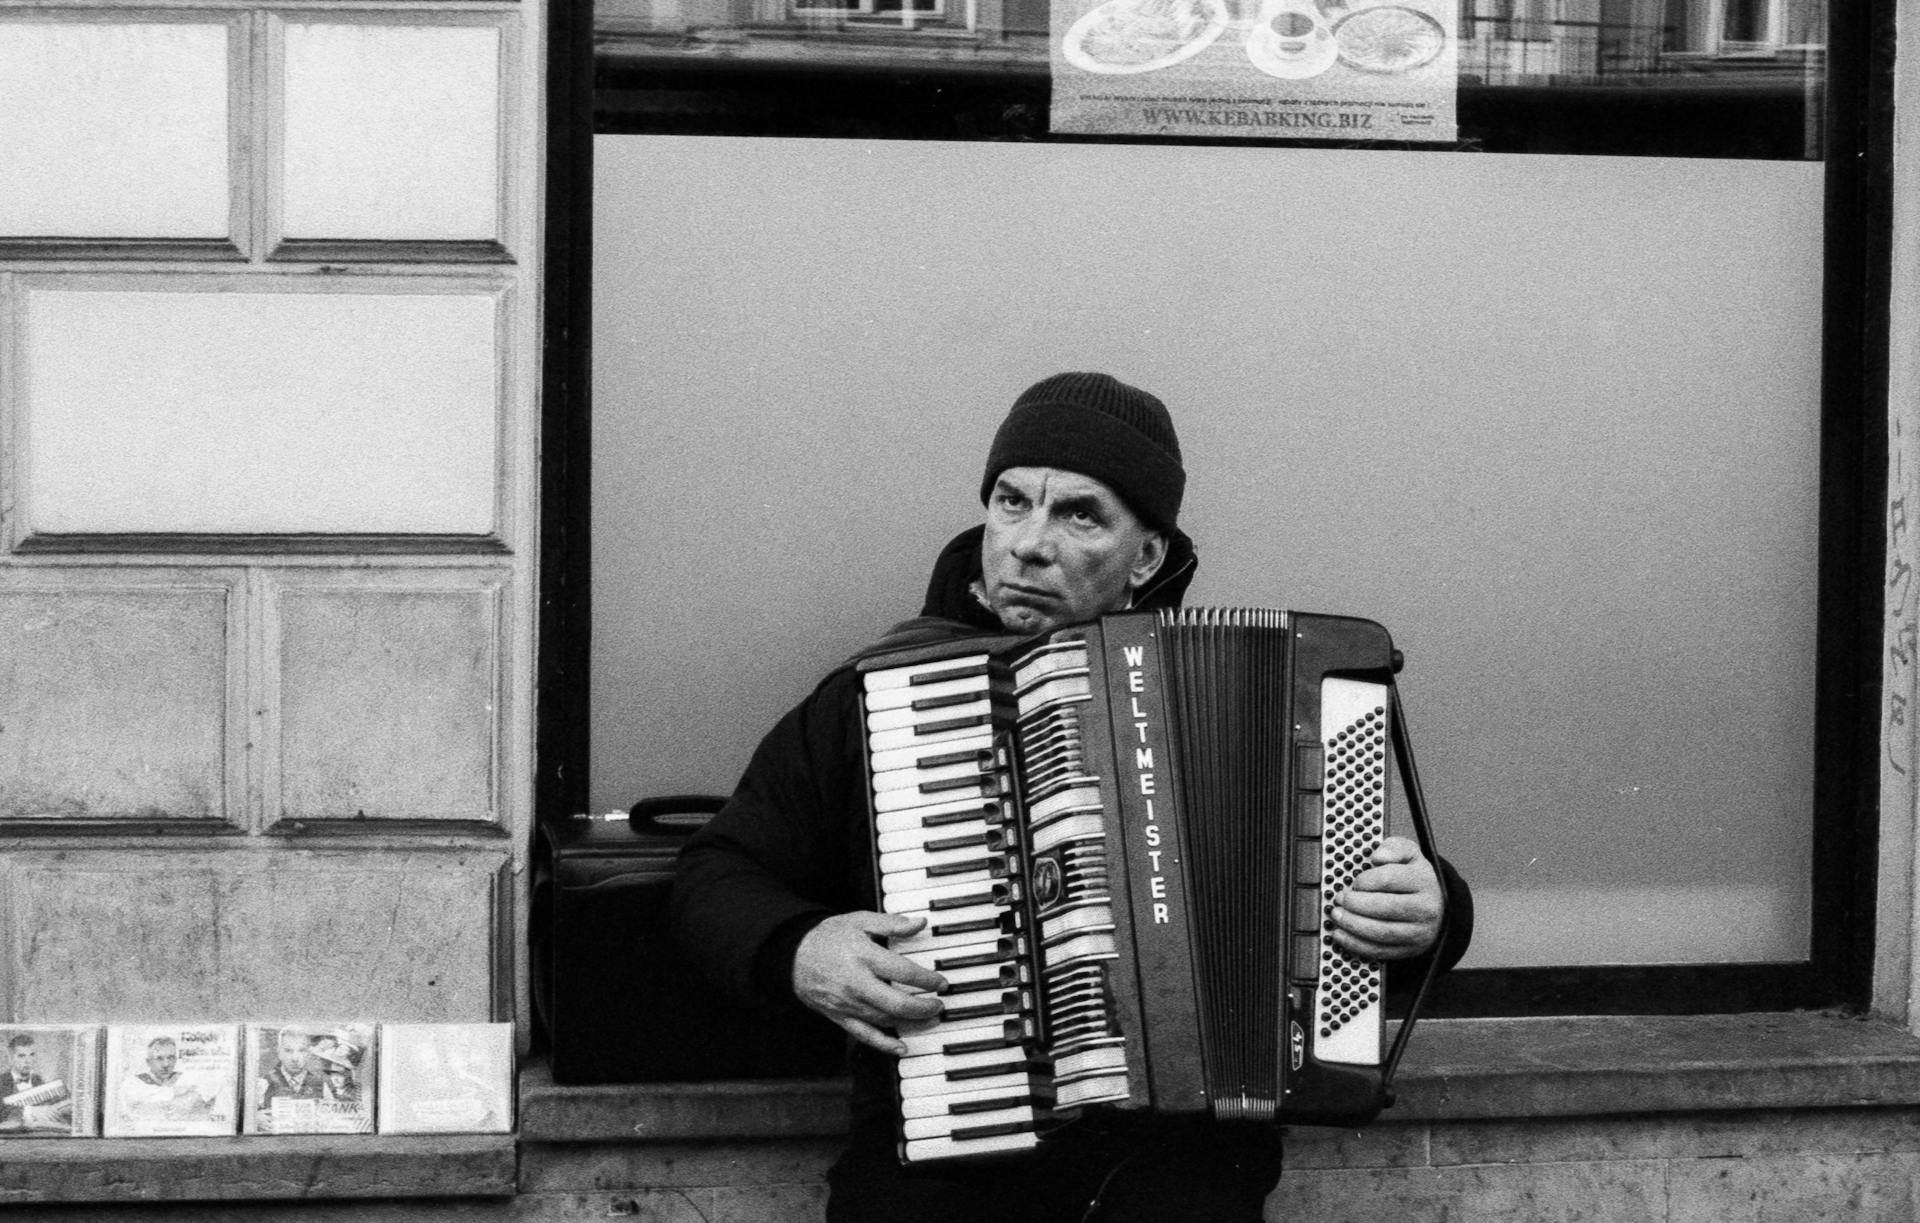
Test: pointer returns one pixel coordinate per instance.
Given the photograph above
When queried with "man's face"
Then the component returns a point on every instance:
(23, 1060)
(293, 1054)
(160, 1060)
(1061, 547)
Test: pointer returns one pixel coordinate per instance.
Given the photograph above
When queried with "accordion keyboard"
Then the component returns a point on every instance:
(968, 1082)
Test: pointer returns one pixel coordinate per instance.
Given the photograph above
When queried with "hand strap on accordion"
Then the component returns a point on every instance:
(1423, 831)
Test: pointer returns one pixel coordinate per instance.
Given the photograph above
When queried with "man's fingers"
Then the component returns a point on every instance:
(1387, 904)
(881, 1003)
(914, 977)
(892, 967)
(873, 1037)
(841, 970)
(1396, 877)
(1396, 849)
(902, 971)
(1362, 948)
(888, 925)
(1378, 933)
(1393, 927)
(867, 1018)
(1376, 950)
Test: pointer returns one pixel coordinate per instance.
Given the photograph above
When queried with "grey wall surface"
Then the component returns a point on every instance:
(1552, 420)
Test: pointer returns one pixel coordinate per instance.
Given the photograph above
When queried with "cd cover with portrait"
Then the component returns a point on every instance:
(50, 1082)
(309, 1078)
(171, 1080)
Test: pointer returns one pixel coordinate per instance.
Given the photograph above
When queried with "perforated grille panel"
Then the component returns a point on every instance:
(1354, 731)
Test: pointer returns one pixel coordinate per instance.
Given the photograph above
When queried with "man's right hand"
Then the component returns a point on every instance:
(842, 972)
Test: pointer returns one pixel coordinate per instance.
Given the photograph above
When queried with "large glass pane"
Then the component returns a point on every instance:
(1553, 420)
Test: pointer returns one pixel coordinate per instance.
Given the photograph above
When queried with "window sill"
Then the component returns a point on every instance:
(1566, 1067)
(256, 1168)
(1457, 1069)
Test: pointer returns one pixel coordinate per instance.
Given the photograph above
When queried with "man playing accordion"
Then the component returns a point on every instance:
(775, 898)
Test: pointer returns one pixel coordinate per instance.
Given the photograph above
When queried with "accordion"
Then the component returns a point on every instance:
(1125, 837)
(46, 1093)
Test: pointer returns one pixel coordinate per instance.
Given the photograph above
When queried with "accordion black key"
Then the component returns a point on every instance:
(1125, 837)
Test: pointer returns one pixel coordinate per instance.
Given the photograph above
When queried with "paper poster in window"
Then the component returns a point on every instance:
(1269, 69)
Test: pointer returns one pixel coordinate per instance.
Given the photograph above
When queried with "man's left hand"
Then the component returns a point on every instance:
(1392, 911)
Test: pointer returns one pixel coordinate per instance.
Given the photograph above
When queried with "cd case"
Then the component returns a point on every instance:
(50, 1084)
(171, 1080)
(310, 1078)
(446, 1078)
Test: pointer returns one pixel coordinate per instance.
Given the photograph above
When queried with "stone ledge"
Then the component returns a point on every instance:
(1634, 1064)
(643, 1112)
(1454, 1069)
(1598, 1066)
(256, 1168)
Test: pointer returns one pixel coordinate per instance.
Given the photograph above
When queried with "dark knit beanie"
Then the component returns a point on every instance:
(1099, 426)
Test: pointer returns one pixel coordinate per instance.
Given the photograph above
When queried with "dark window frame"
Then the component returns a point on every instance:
(665, 93)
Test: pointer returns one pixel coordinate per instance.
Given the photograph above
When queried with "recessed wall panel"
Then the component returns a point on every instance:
(392, 132)
(114, 130)
(389, 700)
(113, 703)
(260, 413)
(244, 934)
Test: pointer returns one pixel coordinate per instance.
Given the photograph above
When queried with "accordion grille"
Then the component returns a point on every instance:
(1356, 808)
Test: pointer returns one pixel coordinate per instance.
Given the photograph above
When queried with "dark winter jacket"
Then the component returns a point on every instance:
(792, 846)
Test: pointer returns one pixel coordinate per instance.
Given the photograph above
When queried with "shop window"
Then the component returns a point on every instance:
(749, 332)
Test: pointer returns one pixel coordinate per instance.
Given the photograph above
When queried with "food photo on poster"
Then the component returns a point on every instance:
(1288, 69)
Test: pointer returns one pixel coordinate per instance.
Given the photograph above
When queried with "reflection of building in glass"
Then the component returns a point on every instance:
(1736, 27)
(1502, 42)
(1523, 41)
(1698, 78)
(904, 14)
(933, 27)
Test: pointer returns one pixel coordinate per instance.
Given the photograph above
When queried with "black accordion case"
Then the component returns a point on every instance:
(616, 1001)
